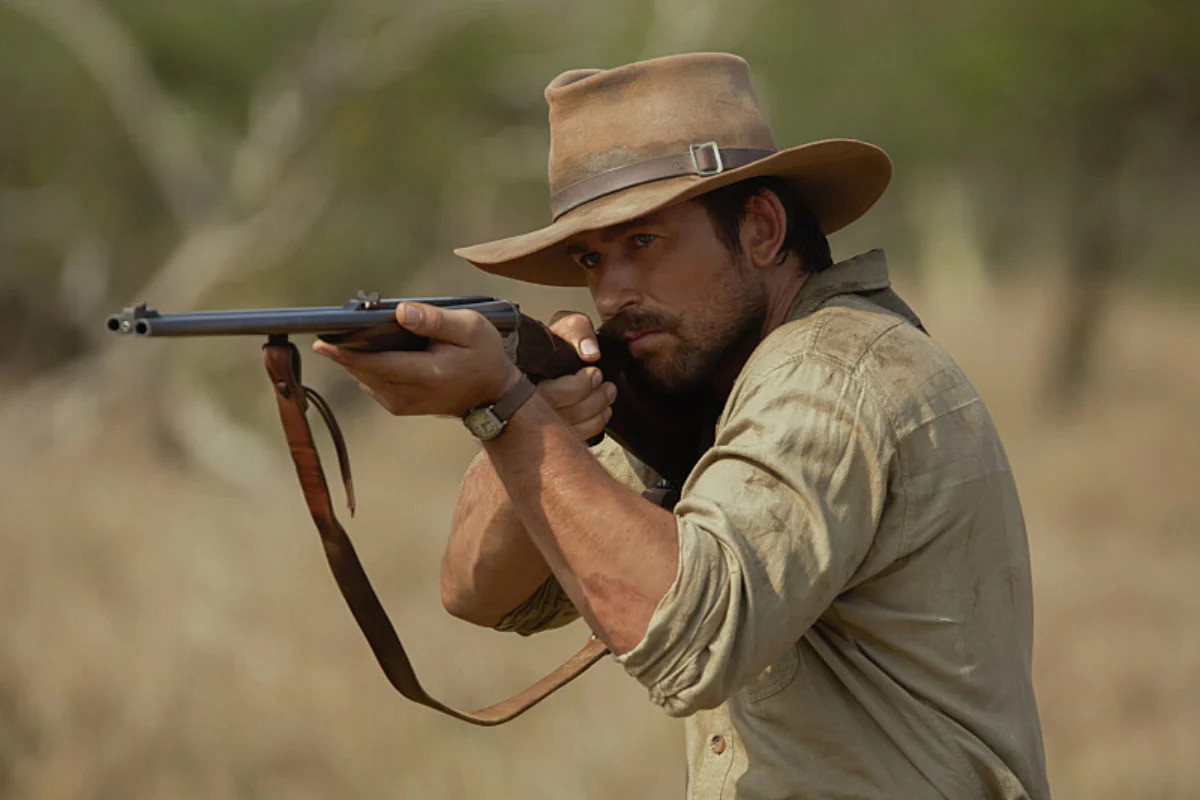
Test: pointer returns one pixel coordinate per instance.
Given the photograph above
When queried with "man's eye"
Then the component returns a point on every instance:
(643, 239)
(589, 260)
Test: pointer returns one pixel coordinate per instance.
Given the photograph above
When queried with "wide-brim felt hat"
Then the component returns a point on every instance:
(629, 141)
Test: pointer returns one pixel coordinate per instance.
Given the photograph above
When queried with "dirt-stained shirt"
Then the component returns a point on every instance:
(852, 612)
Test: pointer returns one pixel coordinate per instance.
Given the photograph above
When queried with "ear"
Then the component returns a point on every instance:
(763, 230)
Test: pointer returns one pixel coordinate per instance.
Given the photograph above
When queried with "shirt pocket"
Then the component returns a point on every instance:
(775, 678)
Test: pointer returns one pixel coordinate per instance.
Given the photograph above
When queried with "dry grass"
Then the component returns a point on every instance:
(166, 636)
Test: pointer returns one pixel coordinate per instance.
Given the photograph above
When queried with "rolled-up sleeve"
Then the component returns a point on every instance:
(546, 609)
(772, 522)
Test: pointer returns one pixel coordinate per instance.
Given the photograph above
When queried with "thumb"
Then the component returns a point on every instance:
(456, 326)
(577, 329)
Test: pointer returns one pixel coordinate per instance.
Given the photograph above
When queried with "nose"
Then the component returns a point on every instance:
(614, 286)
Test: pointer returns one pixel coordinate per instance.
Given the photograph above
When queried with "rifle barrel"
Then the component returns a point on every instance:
(353, 316)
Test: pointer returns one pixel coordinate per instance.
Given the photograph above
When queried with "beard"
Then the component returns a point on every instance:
(728, 324)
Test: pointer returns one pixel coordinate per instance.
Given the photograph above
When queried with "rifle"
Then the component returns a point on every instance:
(658, 429)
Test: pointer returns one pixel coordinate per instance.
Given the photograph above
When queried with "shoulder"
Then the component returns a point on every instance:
(904, 372)
(841, 332)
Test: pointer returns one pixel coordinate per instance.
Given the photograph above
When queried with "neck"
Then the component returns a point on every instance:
(781, 294)
(780, 298)
(722, 378)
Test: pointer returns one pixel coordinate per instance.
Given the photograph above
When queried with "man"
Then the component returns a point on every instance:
(839, 602)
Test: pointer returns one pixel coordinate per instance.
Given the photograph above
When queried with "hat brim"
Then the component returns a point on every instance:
(839, 179)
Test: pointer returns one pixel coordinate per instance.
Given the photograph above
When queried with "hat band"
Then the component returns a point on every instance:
(701, 159)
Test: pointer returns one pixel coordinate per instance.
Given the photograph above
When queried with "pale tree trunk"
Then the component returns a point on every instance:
(1093, 257)
(248, 218)
(950, 260)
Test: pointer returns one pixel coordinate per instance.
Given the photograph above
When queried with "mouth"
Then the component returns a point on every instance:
(641, 340)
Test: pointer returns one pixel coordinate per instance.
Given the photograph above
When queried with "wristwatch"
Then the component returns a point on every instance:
(489, 420)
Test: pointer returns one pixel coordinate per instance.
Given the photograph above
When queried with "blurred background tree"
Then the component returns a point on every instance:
(244, 154)
(290, 150)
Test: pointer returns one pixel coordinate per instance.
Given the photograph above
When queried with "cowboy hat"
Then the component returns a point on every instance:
(629, 141)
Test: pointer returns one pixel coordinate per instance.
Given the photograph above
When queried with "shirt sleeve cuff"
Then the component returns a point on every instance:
(675, 654)
(547, 608)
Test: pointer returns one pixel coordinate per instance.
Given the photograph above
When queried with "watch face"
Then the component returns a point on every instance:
(484, 423)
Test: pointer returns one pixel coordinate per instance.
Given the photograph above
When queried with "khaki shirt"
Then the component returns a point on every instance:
(852, 615)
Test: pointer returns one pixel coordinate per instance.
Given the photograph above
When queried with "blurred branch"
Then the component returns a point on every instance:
(68, 406)
(203, 258)
(277, 189)
(361, 45)
(154, 122)
(200, 424)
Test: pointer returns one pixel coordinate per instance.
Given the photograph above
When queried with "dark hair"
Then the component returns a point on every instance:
(727, 208)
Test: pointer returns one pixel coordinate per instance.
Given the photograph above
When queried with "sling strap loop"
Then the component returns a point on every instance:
(283, 366)
(339, 443)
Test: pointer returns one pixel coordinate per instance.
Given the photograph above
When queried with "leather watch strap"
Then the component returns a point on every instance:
(514, 398)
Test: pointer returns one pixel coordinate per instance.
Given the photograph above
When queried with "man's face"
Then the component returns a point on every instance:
(669, 287)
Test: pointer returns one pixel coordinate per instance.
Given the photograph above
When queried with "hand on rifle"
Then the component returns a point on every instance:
(583, 400)
(465, 366)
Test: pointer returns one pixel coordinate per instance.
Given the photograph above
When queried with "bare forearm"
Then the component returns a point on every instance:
(490, 565)
(614, 553)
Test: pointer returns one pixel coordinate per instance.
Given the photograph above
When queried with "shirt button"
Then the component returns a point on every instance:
(717, 742)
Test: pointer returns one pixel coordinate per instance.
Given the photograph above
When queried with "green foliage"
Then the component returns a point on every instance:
(451, 148)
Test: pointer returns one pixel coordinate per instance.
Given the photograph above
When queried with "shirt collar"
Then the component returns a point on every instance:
(863, 273)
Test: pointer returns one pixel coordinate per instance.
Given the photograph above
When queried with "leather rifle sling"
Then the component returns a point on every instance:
(283, 365)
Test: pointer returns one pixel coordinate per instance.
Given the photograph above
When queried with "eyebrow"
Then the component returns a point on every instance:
(615, 232)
